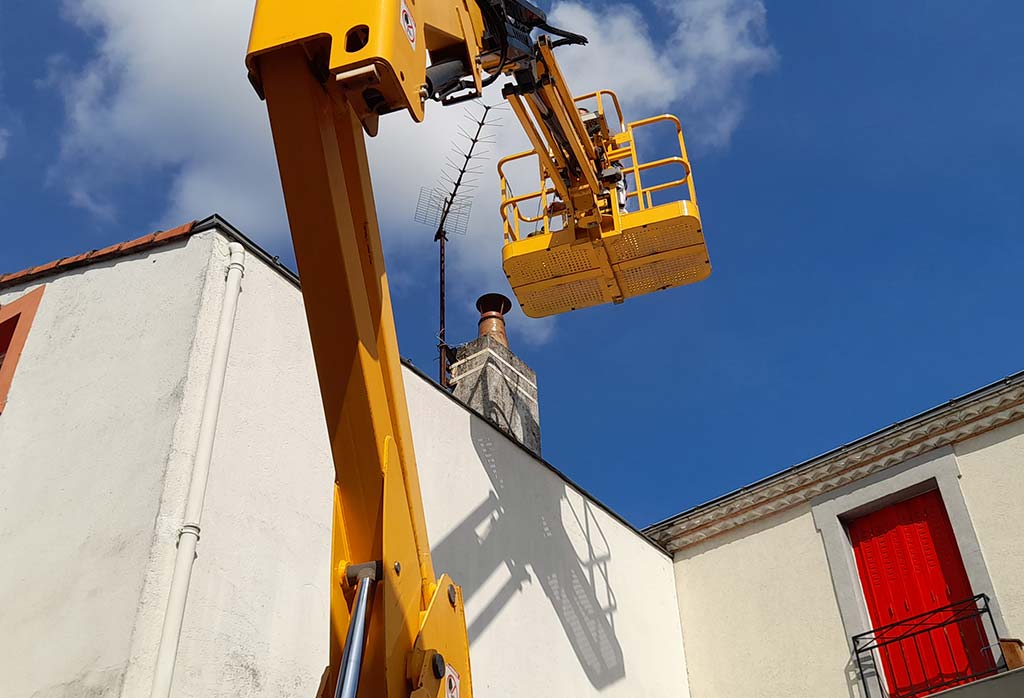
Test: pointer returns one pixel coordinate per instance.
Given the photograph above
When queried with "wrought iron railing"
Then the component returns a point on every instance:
(929, 652)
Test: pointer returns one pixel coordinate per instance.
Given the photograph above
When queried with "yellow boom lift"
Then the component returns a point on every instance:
(328, 70)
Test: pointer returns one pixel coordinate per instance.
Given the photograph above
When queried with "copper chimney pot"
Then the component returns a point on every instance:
(492, 307)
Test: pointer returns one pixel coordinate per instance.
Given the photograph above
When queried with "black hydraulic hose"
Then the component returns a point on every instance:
(568, 37)
(496, 25)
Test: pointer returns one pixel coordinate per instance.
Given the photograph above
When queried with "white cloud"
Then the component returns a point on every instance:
(165, 91)
(80, 197)
(719, 46)
(701, 72)
(7, 116)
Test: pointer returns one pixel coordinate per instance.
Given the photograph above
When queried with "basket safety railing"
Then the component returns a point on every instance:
(515, 209)
(512, 213)
(599, 96)
(644, 195)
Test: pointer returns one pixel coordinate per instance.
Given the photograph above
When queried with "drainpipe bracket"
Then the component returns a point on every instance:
(188, 528)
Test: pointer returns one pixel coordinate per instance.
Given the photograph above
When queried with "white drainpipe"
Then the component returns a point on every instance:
(189, 534)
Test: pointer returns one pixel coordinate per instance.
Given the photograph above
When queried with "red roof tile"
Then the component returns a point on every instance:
(120, 249)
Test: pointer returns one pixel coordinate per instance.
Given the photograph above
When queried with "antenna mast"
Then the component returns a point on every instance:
(449, 209)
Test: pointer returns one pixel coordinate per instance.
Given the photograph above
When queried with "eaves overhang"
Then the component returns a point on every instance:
(120, 249)
(984, 409)
(143, 244)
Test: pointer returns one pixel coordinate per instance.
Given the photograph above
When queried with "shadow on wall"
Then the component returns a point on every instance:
(506, 399)
(521, 525)
(852, 672)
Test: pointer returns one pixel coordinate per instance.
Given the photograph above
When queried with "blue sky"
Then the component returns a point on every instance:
(858, 167)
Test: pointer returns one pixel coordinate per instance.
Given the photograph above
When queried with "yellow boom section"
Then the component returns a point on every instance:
(376, 52)
(378, 515)
(328, 70)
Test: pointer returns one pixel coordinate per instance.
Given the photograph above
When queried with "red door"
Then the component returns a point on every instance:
(910, 565)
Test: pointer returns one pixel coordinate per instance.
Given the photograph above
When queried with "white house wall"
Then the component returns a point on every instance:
(257, 619)
(759, 615)
(992, 480)
(96, 446)
(758, 603)
(85, 440)
(562, 598)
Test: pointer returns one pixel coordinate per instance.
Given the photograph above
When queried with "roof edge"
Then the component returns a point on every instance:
(148, 242)
(970, 415)
(145, 242)
(219, 223)
(555, 471)
(216, 222)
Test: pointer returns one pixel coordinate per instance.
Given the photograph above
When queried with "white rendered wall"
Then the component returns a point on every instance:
(759, 614)
(591, 609)
(257, 620)
(561, 598)
(992, 480)
(85, 442)
(758, 606)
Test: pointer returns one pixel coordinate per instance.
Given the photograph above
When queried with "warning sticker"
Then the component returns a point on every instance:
(451, 682)
(408, 24)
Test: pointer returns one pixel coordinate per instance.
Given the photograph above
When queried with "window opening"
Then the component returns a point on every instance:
(928, 625)
(6, 335)
(15, 320)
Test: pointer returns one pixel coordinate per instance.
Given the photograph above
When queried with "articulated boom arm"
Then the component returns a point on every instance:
(328, 70)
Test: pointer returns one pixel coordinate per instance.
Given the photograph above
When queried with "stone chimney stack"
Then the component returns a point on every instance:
(490, 379)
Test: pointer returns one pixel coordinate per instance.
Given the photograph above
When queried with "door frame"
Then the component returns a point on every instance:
(936, 469)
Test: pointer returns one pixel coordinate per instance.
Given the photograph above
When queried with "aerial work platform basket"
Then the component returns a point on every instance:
(557, 262)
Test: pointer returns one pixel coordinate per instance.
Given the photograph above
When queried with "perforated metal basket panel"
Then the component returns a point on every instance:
(661, 236)
(665, 273)
(561, 298)
(549, 263)
(662, 247)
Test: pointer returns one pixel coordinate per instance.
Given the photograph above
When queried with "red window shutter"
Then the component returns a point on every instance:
(909, 563)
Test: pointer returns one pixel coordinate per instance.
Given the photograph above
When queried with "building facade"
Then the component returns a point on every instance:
(838, 578)
(99, 434)
(890, 566)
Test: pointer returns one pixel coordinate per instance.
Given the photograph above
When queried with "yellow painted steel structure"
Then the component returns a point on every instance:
(363, 43)
(328, 70)
(556, 262)
(316, 91)
(378, 514)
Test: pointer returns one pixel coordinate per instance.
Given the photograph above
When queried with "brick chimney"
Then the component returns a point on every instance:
(490, 379)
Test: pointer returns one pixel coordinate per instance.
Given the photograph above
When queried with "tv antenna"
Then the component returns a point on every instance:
(447, 206)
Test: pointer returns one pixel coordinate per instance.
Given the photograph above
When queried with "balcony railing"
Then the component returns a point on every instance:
(929, 652)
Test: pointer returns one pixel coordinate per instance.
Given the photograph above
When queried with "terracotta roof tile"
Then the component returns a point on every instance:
(172, 233)
(107, 251)
(120, 249)
(68, 261)
(43, 268)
